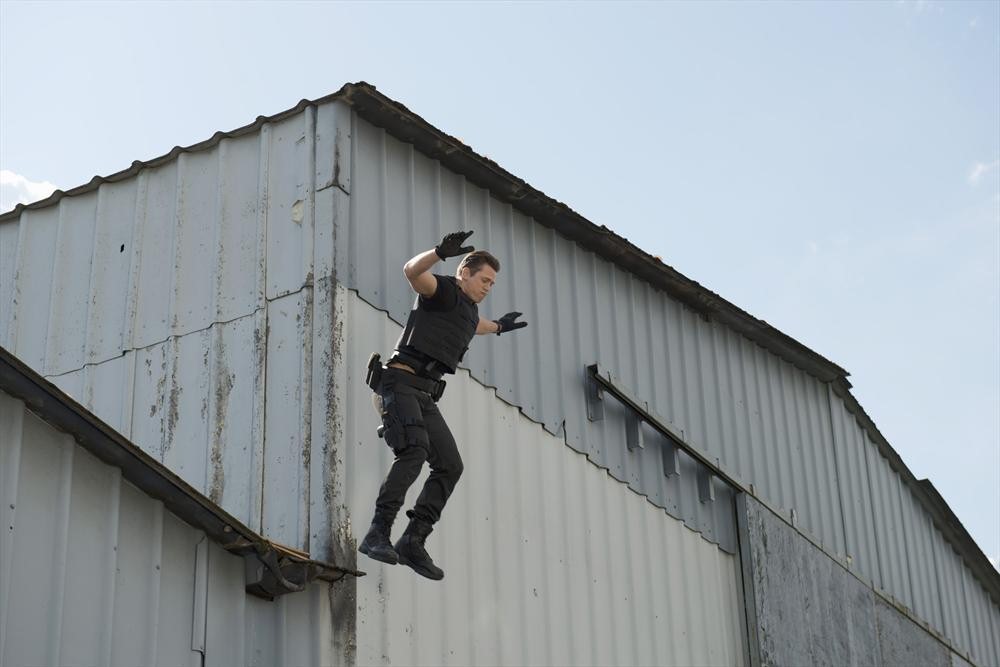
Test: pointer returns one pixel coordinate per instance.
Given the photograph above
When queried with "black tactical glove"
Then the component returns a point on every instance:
(507, 323)
(451, 245)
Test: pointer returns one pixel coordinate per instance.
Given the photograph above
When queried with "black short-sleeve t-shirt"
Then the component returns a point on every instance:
(444, 298)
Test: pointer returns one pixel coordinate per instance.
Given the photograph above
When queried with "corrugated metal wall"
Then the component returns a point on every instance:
(95, 572)
(893, 542)
(773, 425)
(767, 421)
(185, 305)
(178, 306)
(547, 559)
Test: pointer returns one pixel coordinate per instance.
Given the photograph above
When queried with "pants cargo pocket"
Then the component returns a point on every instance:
(392, 432)
(403, 422)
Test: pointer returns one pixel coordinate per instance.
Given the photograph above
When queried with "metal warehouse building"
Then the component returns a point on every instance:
(652, 475)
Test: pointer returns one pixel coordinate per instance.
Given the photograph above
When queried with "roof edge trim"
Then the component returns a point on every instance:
(289, 570)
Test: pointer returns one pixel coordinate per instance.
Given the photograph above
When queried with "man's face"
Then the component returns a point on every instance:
(477, 285)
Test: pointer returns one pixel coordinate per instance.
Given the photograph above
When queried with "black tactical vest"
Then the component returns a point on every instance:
(442, 335)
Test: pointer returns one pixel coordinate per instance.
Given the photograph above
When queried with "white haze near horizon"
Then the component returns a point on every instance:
(833, 169)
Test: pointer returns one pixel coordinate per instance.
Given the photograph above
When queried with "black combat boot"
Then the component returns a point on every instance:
(410, 549)
(376, 543)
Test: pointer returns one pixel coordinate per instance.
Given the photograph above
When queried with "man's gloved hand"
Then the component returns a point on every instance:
(507, 323)
(451, 245)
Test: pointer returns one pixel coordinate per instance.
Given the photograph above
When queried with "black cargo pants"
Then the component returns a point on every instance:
(416, 432)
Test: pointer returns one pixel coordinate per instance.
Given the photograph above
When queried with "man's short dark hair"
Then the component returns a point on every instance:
(475, 260)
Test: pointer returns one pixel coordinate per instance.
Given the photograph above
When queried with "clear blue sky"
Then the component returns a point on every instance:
(831, 168)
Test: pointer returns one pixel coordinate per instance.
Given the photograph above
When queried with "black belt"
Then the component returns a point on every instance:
(375, 371)
(433, 387)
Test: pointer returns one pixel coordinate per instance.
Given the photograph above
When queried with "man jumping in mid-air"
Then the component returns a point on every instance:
(440, 327)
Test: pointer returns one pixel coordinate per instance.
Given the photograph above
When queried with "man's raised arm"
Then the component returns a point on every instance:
(418, 269)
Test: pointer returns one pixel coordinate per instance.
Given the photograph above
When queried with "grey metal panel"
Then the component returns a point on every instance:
(197, 403)
(729, 395)
(919, 533)
(153, 275)
(239, 230)
(34, 261)
(850, 445)
(94, 571)
(548, 559)
(982, 621)
(956, 611)
(158, 300)
(109, 274)
(9, 236)
(194, 254)
(288, 201)
(888, 520)
(70, 297)
(285, 461)
(771, 423)
(402, 201)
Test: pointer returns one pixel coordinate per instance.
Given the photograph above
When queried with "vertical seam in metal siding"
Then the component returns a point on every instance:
(729, 342)
(175, 241)
(536, 333)
(836, 468)
(263, 197)
(943, 627)
(349, 230)
(44, 362)
(964, 609)
(135, 268)
(9, 509)
(866, 447)
(15, 301)
(61, 548)
(156, 572)
(218, 219)
(309, 252)
(558, 325)
(114, 525)
(257, 468)
(91, 295)
(381, 222)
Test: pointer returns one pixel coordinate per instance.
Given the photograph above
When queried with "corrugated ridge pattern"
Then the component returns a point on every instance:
(548, 560)
(96, 572)
(711, 371)
(894, 544)
(386, 112)
(768, 422)
(125, 266)
(178, 306)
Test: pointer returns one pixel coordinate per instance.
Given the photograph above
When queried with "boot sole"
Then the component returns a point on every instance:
(389, 560)
(421, 571)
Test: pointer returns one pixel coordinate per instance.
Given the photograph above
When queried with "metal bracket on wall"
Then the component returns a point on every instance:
(600, 380)
(671, 463)
(706, 492)
(595, 397)
(633, 431)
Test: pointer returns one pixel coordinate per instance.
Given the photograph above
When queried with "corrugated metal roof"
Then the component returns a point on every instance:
(284, 570)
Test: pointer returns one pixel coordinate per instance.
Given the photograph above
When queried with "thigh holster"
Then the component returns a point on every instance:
(402, 422)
